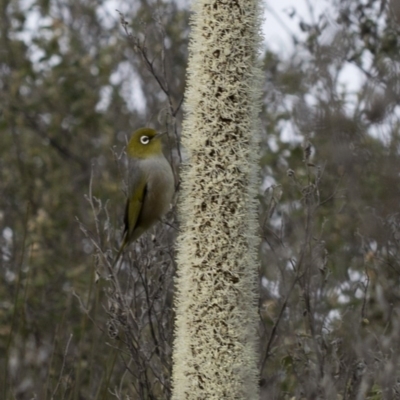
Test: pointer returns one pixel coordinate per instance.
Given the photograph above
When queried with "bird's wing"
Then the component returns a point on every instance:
(136, 193)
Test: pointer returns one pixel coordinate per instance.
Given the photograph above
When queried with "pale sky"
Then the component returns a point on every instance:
(281, 21)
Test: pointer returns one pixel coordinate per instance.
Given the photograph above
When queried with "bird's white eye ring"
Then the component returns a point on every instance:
(144, 139)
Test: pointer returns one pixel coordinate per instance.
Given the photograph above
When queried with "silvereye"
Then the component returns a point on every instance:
(150, 185)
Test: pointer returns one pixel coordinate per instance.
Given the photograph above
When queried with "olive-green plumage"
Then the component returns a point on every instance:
(150, 185)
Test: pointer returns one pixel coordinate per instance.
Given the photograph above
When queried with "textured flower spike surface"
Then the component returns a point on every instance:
(215, 353)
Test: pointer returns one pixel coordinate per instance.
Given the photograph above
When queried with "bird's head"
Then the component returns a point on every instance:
(145, 143)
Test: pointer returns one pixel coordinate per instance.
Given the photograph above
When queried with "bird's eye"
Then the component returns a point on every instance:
(144, 139)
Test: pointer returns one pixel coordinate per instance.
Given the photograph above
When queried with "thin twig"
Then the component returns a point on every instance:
(62, 367)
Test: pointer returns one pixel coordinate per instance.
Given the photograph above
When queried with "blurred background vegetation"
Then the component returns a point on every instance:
(74, 84)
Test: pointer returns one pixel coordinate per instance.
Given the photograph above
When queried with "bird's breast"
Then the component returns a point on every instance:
(159, 189)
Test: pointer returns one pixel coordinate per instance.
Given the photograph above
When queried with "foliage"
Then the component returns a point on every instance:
(72, 87)
(74, 84)
(330, 269)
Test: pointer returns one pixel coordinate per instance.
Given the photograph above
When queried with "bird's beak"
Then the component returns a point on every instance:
(161, 134)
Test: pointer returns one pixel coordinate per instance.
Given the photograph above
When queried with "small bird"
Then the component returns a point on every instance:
(151, 185)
